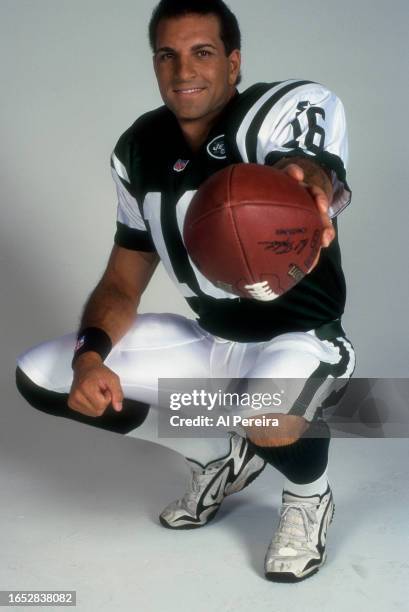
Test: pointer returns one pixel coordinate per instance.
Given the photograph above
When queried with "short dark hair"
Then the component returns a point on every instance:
(229, 27)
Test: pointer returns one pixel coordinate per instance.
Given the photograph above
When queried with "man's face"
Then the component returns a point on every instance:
(195, 77)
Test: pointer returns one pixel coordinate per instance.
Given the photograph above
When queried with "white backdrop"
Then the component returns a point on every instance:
(76, 73)
(80, 504)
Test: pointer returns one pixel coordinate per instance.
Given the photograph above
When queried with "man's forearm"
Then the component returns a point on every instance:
(112, 305)
(314, 174)
(109, 309)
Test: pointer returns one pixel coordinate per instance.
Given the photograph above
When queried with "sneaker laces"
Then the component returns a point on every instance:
(295, 520)
(198, 482)
(200, 479)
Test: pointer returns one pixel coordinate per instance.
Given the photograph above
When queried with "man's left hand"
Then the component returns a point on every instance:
(321, 199)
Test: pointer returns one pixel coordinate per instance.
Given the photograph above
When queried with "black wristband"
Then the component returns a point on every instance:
(92, 339)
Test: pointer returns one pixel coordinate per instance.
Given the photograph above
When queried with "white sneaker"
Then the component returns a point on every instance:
(298, 547)
(210, 484)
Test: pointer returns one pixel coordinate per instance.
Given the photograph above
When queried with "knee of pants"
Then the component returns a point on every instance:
(39, 397)
(132, 415)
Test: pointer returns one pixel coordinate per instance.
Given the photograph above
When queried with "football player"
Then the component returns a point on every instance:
(205, 124)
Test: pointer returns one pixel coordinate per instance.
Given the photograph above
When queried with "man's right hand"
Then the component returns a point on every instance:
(111, 307)
(94, 387)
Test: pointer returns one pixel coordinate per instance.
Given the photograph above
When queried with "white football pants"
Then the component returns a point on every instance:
(172, 346)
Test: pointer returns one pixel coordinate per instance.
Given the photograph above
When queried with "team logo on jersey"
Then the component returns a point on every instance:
(216, 147)
(180, 165)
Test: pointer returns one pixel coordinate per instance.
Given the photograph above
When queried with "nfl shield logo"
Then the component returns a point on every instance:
(180, 165)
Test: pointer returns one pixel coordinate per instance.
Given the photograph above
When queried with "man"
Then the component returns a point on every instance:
(157, 165)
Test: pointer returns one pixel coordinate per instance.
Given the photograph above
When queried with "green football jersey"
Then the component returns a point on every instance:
(156, 175)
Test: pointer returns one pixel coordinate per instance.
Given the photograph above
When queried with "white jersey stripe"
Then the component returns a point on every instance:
(128, 210)
(245, 125)
(120, 168)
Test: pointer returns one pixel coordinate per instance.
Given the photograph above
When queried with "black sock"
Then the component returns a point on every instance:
(303, 461)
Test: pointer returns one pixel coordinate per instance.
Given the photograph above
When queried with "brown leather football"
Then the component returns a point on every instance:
(253, 231)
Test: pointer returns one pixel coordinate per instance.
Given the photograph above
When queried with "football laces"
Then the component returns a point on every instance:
(261, 291)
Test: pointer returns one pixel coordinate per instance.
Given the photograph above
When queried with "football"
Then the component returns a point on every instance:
(253, 231)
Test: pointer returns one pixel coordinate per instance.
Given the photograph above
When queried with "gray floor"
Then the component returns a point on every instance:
(80, 510)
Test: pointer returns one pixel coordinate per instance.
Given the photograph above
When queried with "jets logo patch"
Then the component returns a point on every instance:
(180, 165)
(216, 147)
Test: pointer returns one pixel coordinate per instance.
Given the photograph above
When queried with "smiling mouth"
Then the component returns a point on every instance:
(189, 91)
